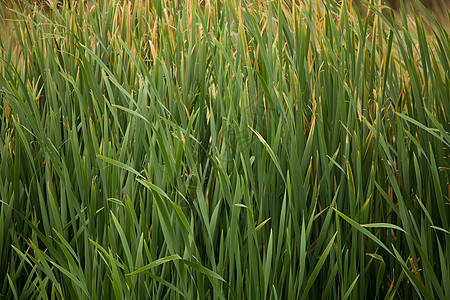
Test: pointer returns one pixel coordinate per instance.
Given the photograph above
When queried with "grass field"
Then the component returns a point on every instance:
(233, 150)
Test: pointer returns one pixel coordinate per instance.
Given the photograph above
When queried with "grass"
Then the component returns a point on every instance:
(237, 150)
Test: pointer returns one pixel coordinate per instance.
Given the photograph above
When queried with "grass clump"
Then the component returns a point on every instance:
(238, 150)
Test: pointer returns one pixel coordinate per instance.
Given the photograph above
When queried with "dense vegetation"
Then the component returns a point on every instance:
(237, 149)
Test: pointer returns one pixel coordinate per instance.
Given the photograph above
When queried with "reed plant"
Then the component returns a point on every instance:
(232, 150)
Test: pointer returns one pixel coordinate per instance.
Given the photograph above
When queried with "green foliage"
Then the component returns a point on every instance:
(233, 150)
